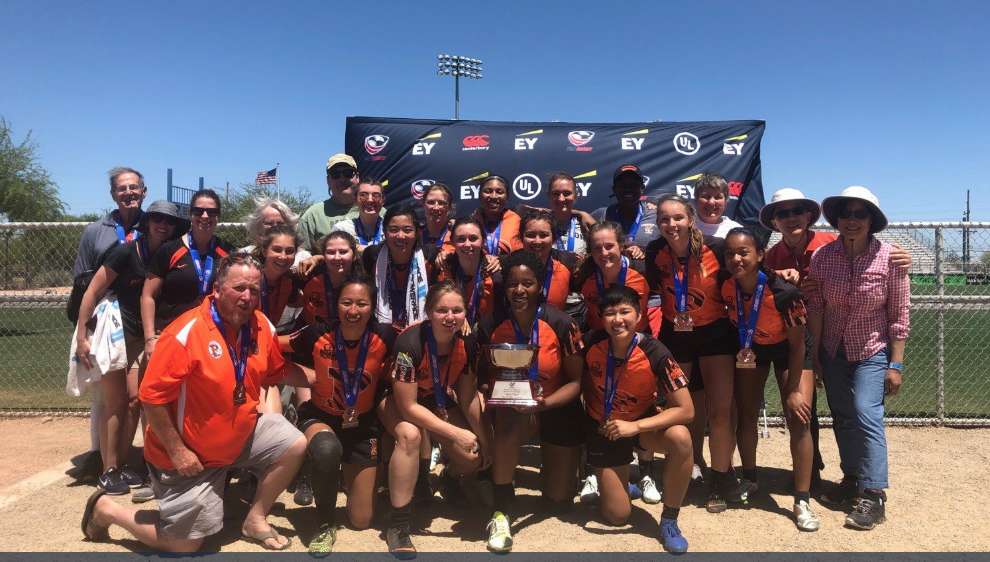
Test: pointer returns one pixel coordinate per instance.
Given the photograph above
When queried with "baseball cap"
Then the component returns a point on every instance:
(341, 159)
(627, 169)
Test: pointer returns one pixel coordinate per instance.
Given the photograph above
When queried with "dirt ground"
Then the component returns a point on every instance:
(937, 476)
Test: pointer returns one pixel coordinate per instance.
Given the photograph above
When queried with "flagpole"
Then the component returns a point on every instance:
(278, 185)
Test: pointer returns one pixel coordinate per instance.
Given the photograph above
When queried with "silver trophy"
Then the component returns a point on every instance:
(511, 385)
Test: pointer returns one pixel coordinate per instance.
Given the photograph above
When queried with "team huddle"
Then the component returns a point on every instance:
(652, 320)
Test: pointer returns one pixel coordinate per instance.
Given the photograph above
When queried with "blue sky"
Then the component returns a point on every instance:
(890, 95)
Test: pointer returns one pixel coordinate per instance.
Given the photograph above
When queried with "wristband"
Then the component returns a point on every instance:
(897, 367)
(146, 340)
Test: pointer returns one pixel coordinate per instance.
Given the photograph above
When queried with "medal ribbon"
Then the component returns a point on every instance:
(611, 380)
(634, 227)
(123, 236)
(680, 283)
(265, 309)
(440, 237)
(328, 293)
(351, 380)
(747, 327)
(204, 272)
(475, 304)
(571, 237)
(145, 251)
(396, 297)
(534, 339)
(600, 280)
(546, 283)
(491, 243)
(439, 389)
(365, 240)
(240, 361)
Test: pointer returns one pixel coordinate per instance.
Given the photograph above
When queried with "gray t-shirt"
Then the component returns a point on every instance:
(98, 237)
(647, 231)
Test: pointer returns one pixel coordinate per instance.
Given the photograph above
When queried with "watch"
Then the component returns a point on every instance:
(897, 367)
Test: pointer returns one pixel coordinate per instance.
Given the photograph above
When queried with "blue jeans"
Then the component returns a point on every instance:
(855, 396)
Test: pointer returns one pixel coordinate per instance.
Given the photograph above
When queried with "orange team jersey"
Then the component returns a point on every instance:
(781, 257)
(635, 281)
(279, 297)
(320, 341)
(192, 372)
(704, 301)
(650, 368)
(412, 362)
(560, 280)
(316, 309)
(782, 308)
(489, 293)
(508, 235)
(559, 338)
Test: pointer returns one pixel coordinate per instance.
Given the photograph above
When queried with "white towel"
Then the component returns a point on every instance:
(107, 351)
(415, 287)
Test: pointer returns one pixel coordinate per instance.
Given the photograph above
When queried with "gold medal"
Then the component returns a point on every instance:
(441, 413)
(683, 322)
(746, 359)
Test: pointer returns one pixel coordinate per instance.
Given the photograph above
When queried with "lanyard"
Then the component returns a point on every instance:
(351, 380)
(491, 243)
(634, 227)
(145, 251)
(440, 237)
(121, 235)
(240, 361)
(600, 280)
(363, 238)
(203, 272)
(571, 237)
(475, 304)
(328, 293)
(534, 339)
(747, 327)
(611, 380)
(396, 296)
(680, 283)
(439, 389)
(546, 283)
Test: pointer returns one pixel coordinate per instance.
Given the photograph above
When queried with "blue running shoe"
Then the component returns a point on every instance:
(634, 492)
(670, 535)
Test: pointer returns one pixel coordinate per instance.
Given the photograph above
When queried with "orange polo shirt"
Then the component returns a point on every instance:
(192, 371)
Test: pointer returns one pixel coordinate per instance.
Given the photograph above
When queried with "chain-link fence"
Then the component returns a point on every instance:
(945, 382)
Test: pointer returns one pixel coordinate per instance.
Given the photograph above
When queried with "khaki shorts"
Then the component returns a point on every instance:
(191, 507)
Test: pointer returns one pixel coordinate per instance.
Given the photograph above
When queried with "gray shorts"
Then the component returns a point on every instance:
(192, 507)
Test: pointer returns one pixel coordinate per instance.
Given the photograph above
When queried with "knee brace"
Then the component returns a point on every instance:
(326, 452)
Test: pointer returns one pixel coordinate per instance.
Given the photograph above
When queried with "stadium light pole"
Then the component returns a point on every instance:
(457, 66)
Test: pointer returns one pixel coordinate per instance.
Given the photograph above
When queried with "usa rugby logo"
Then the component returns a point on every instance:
(580, 138)
(375, 143)
(419, 187)
(215, 350)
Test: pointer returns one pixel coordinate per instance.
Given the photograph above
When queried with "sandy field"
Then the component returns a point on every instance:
(937, 476)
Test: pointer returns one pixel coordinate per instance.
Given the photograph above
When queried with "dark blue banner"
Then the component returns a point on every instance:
(410, 154)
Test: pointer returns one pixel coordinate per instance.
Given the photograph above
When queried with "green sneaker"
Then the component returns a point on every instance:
(499, 535)
(322, 543)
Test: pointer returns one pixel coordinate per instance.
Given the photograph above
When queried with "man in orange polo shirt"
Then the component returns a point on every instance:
(200, 394)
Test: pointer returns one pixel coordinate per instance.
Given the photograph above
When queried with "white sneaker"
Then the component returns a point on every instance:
(499, 535)
(696, 475)
(434, 458)
(805, 519)
(589, 492)
(651, 494)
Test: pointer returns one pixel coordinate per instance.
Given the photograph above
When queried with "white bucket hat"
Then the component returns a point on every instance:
(830, 207)
(789, 195)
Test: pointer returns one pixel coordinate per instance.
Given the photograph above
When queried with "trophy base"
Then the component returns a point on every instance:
(511, 393)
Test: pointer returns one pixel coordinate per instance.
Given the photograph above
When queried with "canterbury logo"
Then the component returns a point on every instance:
(476, 141)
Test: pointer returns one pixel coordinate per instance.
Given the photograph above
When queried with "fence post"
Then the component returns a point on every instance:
(939, 330)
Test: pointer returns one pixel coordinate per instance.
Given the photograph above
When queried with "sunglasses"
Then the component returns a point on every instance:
(158, 217)
(372, 196)
(210, 212)
(346, 174)
(859, 214)
(784, 213)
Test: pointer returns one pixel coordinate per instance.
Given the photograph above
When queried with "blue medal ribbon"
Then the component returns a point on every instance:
(680, 283)
(122, 235)
(239, 360)
(363, 238)
(265, 307)
(203, 271)
(571, 237)
(145, 251)
(546, 282)
(611, 380)
(634, 227)
(600, 280)
(396, 296)
(328, 294)
(491, 242)
(747, 327)
(534, 339)
(475, 304)
(440, 238)
(439, 388)
(351, 380)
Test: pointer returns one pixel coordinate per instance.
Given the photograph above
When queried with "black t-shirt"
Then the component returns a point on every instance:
(126, 262)
(180, 292)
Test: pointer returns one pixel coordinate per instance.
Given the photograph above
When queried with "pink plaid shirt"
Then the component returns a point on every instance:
(866, 303)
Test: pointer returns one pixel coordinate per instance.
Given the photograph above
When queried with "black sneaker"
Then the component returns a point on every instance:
(424, 491)
(452, 492)
(90, 470)
(737, 491)
(131, 478)
(715, 503)
(400, 543)
(304, 492)
(842, 493)
(113, 484)
(870, 511)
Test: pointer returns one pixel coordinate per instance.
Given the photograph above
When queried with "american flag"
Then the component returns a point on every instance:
(266, 177)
